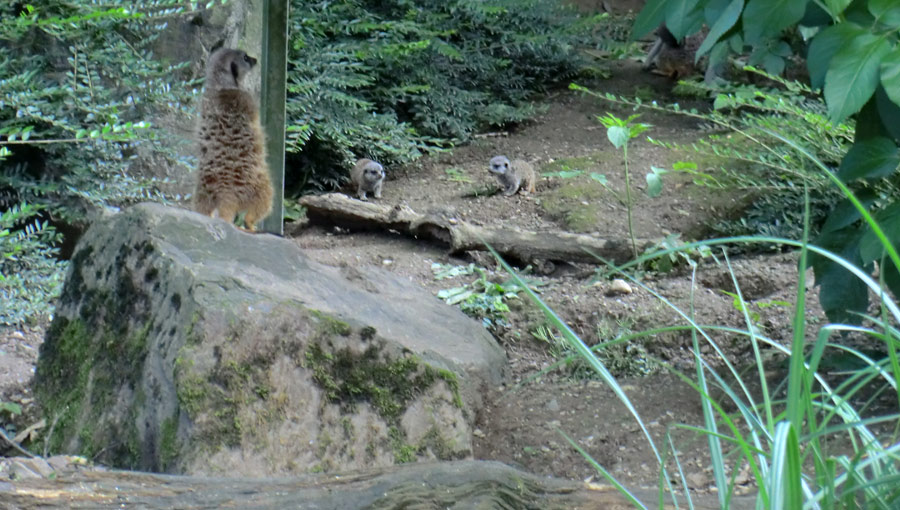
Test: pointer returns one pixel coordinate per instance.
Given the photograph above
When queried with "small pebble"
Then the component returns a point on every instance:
(619, 287)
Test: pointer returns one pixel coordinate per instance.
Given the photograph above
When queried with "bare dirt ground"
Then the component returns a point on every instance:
(522, 424)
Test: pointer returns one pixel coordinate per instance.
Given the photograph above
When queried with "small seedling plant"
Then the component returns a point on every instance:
(481, 298)
(619, 132)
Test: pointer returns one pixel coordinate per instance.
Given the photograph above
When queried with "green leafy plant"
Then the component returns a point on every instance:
(750, 310)
(30, 274)
(853, 56)
(480, 298)
(10, 408)
(80, 86)
(619, 132)
(678, 254)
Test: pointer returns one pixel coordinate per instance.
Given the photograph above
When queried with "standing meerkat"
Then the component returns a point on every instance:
(513, 175)
(233, 176)
(367, 175)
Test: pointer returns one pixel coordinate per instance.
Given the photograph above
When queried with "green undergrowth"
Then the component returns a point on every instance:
(481, 298)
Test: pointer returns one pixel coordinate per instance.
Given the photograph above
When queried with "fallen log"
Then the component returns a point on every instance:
(459, 236)
(456, 485)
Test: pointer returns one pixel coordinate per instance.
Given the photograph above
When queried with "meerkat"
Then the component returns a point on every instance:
(367, 175)
(233, 175)
(513, 175)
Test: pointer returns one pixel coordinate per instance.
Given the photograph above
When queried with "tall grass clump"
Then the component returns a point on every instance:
(806, 440)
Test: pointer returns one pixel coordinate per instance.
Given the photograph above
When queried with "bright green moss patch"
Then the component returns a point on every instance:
(387, 384)
(331, 325)
(403, 451)
(168, 443)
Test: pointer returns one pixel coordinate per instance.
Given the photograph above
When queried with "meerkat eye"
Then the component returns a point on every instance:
(247, 59)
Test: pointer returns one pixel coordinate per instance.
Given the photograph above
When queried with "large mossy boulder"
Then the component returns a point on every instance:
(181, 344)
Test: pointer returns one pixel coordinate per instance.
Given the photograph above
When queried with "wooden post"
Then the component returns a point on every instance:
(272, 98)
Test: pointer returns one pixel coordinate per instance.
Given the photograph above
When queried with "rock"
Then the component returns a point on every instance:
(698, 480)
(619, 287)
(22, 468)
(181, 344)
(553, 405)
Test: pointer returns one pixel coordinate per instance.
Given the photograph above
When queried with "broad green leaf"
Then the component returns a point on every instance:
(765, 18)
(736, 42)
(681, 17)
(773, 64)
(653, 13)
(654, 185)
(853, 74)
(841, 293)
(563, 174)
(869, 159)
(886, 12)
(815, 17)
(636, 129)
(836, 7)
(781, 48)
(823, 47)
(888, 112)
(618, 135)
(890, 74)
(845, 213)
(10, 407)
(599, 178)
(724, 23)
(870, 247)
(713, 9)
(858, 13)
(868, 121)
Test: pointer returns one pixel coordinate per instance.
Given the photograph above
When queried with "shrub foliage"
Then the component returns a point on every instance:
(78, 83)
(394, 79)
(853, 56)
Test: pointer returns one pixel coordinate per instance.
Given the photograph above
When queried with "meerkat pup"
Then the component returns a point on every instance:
(367, 176)
(513, 175)
(233, 175)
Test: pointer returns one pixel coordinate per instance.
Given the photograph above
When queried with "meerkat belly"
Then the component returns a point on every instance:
(369, 186)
